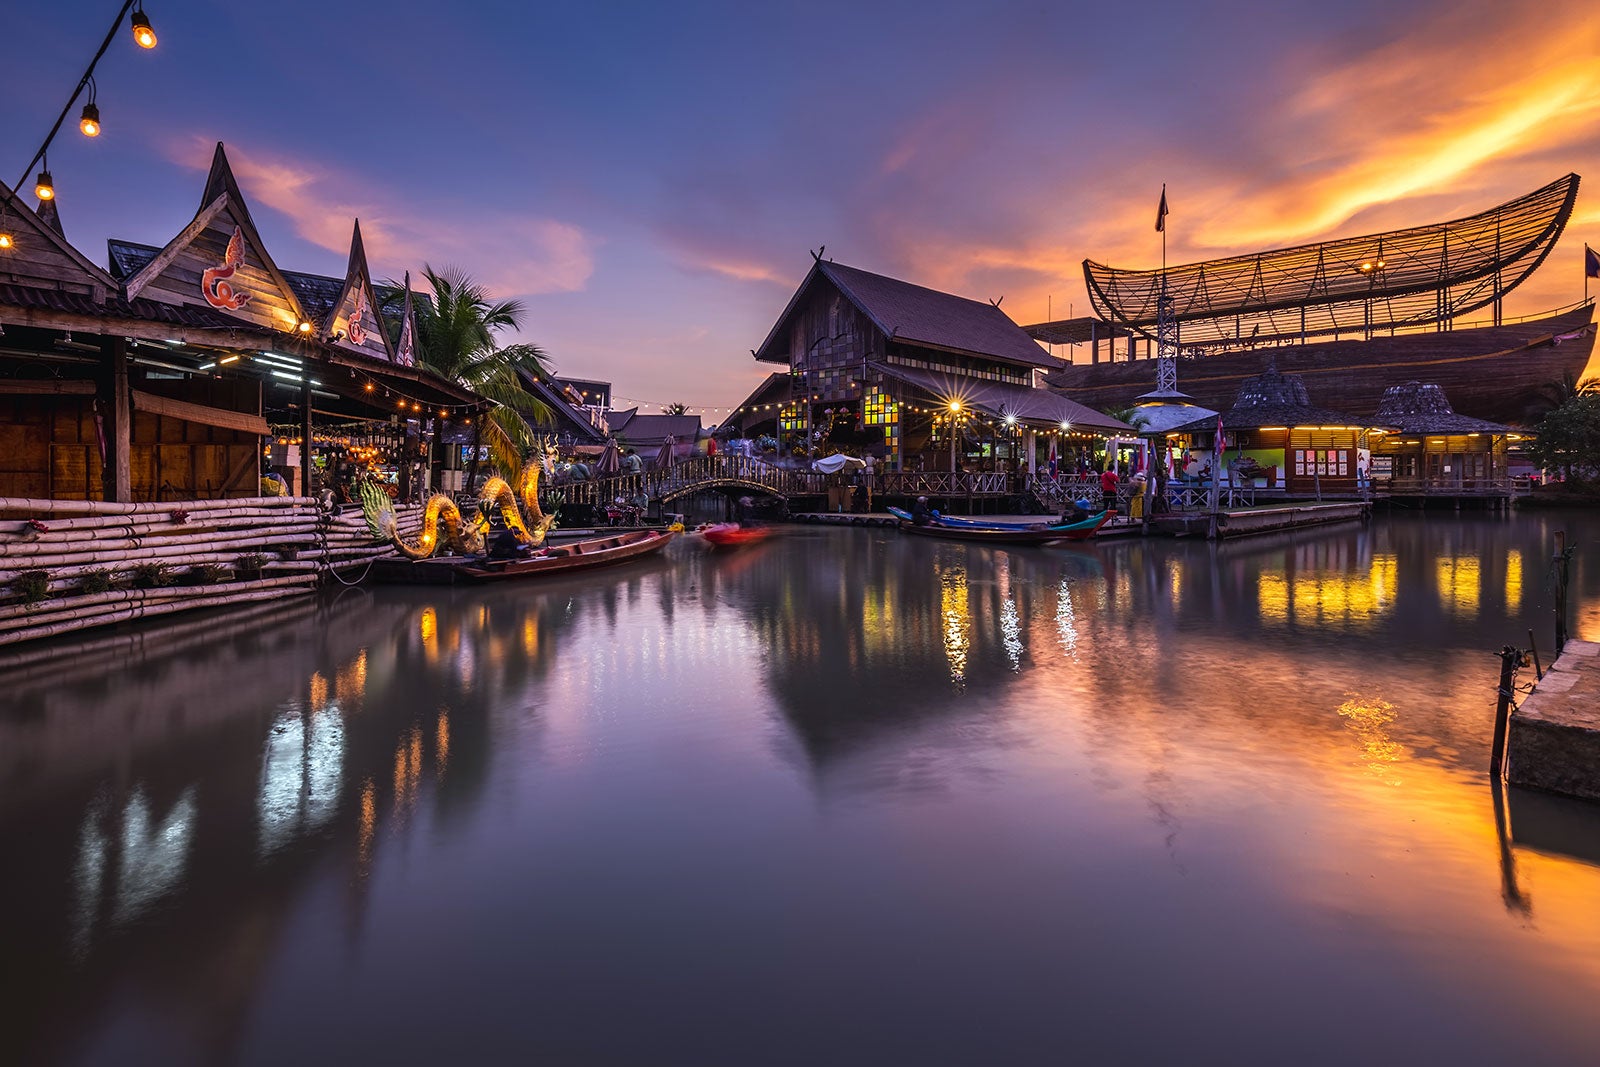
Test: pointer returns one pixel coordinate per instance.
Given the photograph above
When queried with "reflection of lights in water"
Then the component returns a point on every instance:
(1370, 718)
(1066, 622)
(1329, 596)
(530, 636)
(407, 770)
(1011, 633)
(319, 691)
(441, 744)
(153, 856)
(368, 825)
(1175, 580)
(88, 875)
(1513, 580)
(428, 629)
(1458, 579)
(350, 684)
(957, 625)
(301, 773)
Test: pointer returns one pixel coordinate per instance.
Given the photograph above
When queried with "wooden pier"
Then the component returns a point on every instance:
(1554, 738)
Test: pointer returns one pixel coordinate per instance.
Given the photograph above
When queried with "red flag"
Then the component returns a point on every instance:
(1221, 444)
(1161, 212)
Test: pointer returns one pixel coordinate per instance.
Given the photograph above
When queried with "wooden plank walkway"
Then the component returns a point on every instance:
(1554, 739)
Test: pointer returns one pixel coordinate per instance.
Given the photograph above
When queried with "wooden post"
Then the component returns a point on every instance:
(307, 485)
(116, 475)
(1510, 660)
(1533, 650)
(1562, 561)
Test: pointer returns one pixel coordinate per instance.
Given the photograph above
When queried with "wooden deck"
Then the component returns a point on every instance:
(1554, 738)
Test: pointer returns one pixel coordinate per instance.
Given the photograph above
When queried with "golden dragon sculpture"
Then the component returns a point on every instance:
(463, 536)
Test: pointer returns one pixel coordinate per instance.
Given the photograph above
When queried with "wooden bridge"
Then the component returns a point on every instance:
(742, 474)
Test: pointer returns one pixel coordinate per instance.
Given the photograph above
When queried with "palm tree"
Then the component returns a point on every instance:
(675, 409)
(1138, 418)
(456, 339)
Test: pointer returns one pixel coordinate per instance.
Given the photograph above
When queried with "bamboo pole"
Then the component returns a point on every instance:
(26, 507)
(163, 608)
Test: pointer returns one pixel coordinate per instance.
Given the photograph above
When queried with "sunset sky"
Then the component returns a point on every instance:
(649, 178)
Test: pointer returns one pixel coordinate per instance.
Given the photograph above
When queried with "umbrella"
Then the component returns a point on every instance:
(665, 457)
(610, 461)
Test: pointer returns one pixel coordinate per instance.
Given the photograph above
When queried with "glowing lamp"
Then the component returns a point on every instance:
(303, 326)
(143, 35)
(1065, 425)
(6, 241)
(44, 188)
(1011, 420)
(90, 122)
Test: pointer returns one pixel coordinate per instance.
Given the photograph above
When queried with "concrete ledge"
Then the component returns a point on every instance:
(1554, 739)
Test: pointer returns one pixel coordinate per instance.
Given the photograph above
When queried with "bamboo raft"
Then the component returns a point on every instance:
(211, 553)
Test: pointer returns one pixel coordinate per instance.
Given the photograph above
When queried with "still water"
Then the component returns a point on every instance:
(840, 798)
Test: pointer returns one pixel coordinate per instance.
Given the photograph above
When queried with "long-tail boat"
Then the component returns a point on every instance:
(541, 562)
(950, 528)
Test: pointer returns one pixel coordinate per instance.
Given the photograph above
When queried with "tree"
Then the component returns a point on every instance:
(675, 409)
(456, 339)
(1569, 440)
(1553, 394)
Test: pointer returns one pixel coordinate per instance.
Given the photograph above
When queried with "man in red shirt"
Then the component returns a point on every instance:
(1108, 487)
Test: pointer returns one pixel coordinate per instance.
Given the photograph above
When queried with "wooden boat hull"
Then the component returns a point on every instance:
(1499, 373)
(1010, 535)
(1061, 531)
(557, 559)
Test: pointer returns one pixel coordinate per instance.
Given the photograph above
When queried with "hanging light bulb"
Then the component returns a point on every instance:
(143, 35)
(90, 122)
(44, 188)
(7, 241)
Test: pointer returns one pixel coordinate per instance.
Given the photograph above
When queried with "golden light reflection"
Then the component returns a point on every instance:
(956, 616)
(1175, 580)
(1513, 580)
(407, 771)
(319, 691)
(441, 744)
(367, 827)
(350, 683)
(1458, 579)
(428, 628)
(530, 636)
(1329, 597)
(1370, 718)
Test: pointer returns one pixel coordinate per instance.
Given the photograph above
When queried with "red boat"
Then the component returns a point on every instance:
(729, 534)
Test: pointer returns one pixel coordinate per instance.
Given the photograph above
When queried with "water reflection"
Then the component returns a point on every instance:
(832, 752)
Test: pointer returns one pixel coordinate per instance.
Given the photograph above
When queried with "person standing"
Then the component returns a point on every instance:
(1108, 487)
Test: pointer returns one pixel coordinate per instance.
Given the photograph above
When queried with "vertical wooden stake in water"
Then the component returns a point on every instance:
(1509, 658)
(1533, 648)
(1560, 573)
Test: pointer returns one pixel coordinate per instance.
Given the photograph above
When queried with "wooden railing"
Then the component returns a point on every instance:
(714, 472)
(1500, 485)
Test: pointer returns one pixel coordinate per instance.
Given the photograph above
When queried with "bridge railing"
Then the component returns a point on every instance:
(657, 483)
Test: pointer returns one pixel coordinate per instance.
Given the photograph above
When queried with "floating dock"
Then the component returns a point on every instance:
(1554, 738)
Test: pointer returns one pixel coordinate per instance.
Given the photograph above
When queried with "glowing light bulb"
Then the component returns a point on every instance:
(6, 242)
(44, 188)
(143, 35)
(90, 123)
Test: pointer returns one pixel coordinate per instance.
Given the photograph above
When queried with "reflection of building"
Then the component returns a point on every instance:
(917, 376)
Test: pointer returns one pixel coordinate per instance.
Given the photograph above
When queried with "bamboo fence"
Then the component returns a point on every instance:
(161, 558)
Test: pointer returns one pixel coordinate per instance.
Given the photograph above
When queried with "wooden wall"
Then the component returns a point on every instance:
(179, 282)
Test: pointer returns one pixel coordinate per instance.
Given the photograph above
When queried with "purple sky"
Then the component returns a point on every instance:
(649, 177)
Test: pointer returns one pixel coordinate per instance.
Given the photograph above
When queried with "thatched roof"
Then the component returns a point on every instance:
(1272, 398)
(1422, 408)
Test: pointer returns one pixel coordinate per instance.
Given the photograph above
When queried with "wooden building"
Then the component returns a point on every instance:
(929, 379)
(1436, 452)
(1276, 438)
(160, 378)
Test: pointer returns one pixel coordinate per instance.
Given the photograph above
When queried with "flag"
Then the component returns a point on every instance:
(1220, 447)
(1591, 263)
(1054, 459)
(1161, 212)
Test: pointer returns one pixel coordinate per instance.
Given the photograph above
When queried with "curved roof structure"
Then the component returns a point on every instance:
(1418, 277)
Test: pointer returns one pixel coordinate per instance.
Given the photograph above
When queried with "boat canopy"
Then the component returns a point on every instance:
(1420, 277)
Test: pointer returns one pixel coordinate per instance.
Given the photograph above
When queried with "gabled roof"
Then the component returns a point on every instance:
(640, 430)
(354, 320)
(1272, 398)
(42, 256)
(917, 315)
(405, 350)
(259, 283)
(1043, 408)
